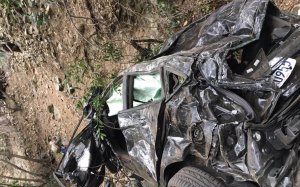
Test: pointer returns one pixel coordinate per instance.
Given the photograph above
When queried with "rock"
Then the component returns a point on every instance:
(296, 9)
(50, 108)
(33, 30)
(55, 111)
(53, 147)
(70, 88)
(58, 84)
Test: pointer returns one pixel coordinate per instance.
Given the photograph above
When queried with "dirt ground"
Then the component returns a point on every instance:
(65, 47)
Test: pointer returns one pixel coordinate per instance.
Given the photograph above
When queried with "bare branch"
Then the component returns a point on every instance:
(21, 169)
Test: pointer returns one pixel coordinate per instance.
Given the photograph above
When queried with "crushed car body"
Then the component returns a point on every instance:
(222, 96)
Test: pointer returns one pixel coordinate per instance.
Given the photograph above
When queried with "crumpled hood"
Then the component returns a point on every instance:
(233, 113)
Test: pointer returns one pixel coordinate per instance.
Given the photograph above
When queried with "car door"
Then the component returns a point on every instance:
(143, 96)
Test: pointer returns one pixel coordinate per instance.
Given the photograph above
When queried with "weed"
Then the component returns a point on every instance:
(171, 12)
(75, 72)
(175, 16)
(40, 19)
(100, 131)
(208, 6)
(111, 52)
(11, 4)
(153, 51)
(156, 48)
(51, 182)
(97, 103)
(22, 8)
(114, 75)
(98, 80)
(80, 103)
(205, 8)
(16, 183)
(2, 56)
(28, 185)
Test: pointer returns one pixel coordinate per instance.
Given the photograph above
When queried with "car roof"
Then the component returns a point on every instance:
(175, 62)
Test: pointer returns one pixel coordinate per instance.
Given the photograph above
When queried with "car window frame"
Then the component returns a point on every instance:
(166, 81)
(128, 88)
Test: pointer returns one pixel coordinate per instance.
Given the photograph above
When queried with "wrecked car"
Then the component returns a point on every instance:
(218, 106)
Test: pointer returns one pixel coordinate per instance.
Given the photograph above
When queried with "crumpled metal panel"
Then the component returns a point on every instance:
(140, 129)
(178, 62)
(237, 107)
(235, 22)
(83, 157)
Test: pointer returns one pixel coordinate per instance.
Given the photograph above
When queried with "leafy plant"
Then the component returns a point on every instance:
(205, 8)
(2, 56)
(111, 52)
(76, 71)
(175, 16)
(79, 103)
(98, 80)
(23, 8)
(100, 131)
(39, 19)
(12, 3)
(97, 105)
(14, 184)
(28, 185)
(154, 50)
(171, 12)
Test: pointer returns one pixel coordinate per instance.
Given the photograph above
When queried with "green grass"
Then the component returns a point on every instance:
(111, 52)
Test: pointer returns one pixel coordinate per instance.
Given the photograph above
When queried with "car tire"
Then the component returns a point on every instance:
(193, 177)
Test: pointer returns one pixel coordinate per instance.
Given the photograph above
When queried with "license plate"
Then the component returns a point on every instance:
(284, 71)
